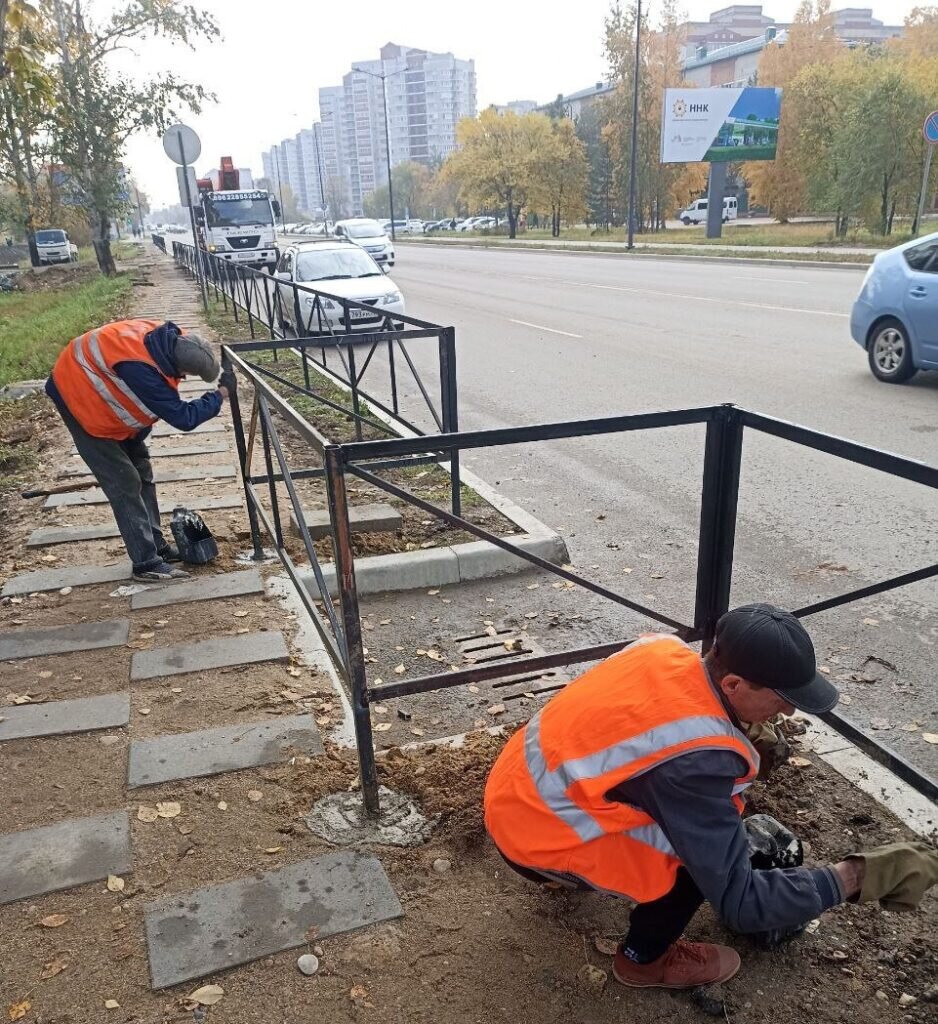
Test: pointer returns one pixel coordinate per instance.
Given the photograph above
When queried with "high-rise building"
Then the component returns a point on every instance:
(297, 162)
(427, 95)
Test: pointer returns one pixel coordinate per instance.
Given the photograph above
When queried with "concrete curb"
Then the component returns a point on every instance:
(646, 254)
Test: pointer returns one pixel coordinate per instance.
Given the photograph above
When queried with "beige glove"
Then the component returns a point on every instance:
(898, 874)
(771, 745)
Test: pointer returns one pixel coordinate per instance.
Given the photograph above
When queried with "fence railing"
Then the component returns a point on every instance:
(366, 351)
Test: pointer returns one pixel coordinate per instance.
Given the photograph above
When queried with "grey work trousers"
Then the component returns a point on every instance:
(123, 470)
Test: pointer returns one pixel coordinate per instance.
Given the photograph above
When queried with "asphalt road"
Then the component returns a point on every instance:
(545, 336)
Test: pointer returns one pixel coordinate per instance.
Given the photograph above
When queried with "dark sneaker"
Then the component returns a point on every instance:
(684, 965)
(170, 553)
(162, 573)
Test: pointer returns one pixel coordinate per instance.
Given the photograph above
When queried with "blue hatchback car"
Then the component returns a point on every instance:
(895, 316)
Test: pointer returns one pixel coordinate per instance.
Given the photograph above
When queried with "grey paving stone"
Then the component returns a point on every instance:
(162, 452)
(377, 518)
(95, 496)
(65, 716)
(218, 652)
(201, 588)
(229, 748)
(165, 430)
(219, 926)
(83, 636)
(40, 580)
(60, 856)
(164, 476)
(46, 535)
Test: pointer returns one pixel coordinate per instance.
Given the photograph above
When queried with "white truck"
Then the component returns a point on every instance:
(53, 246)
(239, 226)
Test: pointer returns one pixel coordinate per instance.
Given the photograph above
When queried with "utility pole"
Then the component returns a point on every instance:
(387, 136)
(317, 139)
(634, 146)
(283, 211)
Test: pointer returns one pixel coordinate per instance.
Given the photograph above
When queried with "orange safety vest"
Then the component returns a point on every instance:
(84, 376)
(545, 799)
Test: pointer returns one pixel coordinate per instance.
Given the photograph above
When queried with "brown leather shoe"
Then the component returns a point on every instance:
(684, 965)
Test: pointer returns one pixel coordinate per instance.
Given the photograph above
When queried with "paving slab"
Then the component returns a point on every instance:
(43, 536)
(229, 748)
(201, 588)
(219, 926)
(59, 717)
(162, 452)
(40, 580)
(376, 518)
(60, 856)
(83, 636)
(165, 430)
(95, 496)
(218, 652)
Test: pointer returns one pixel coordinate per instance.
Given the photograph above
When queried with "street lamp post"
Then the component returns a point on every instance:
(280, 185)
(634, 147)
(387, 137)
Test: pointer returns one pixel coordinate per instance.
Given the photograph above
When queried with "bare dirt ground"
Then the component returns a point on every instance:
(476, 944)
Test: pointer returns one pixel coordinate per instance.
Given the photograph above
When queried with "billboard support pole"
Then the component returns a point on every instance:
(633, 152)
(715, 192)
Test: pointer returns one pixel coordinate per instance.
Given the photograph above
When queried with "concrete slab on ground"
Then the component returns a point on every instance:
(220, 926)
(201, 588)
(217, 652)
(165, 430)
(377, 518)
(44, 536)
(40, 580)
(162, 452)
(83, 636)
(58, 717)
(95, 496)
(64, 855)
(229, 748)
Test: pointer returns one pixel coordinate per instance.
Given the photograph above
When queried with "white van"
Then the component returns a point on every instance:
(696, 213)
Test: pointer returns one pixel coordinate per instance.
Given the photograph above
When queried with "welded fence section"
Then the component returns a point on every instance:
(342, 341)
(722, 456)
(159, 241)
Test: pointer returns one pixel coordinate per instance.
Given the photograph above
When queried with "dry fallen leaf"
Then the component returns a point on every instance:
(45, 674)
(605, 945)
(52, 968)
(472, 688)
(168, 809)
(382, 726)
(871, 622)
(273, 849)
(54, 921)
(799, 762)
(144, 711)
(400, 670)
(175, 689)
(417, 732)
(207, 995)
(491, 631)
(145, 813)
(930, 737)
(111, 1004)
(435, 656)
(240, 614)
(19, 1010)
(432, 593)
(496, 709)
(222, 806)
(146, 636)
(359, 995)
(254, 795)
(293, 671)
(115, 883)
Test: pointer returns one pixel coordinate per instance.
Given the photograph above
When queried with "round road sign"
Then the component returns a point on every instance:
(181, 144)
(930, 128)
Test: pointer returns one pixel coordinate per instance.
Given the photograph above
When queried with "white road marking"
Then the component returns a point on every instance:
(550, 330)
(706, 298)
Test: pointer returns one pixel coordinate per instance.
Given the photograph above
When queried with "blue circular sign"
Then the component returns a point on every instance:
(930, 128)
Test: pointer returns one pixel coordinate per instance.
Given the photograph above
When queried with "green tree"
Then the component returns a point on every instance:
(337, 198)
(411, 183)
(563, 175)
(601, 188)
(97, 112)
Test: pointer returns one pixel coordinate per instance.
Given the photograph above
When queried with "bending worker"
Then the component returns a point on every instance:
(110, 386)
(629, 781)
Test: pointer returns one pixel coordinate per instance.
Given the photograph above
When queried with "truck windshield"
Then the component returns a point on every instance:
(237, 213)
(49, 237)
(335, 264)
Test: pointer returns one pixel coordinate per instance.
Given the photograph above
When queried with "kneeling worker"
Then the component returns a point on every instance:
(110, 386)
(629, 781)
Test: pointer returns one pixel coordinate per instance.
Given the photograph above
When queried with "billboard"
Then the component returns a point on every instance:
(719, 125)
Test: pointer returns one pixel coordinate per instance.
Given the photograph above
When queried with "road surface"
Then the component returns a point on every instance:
(545, 336)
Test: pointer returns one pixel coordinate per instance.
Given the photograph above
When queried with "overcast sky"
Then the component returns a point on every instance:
(274, 56)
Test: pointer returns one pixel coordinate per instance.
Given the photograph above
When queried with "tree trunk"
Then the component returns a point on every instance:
(512, 220)
(884, 207)
(101, 240)
(892, 214)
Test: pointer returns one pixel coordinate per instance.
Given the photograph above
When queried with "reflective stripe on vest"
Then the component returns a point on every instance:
(100, 370)
(552, 785)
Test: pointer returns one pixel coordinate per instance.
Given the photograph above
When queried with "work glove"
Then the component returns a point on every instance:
(771, 845)
(228, 381)
(898, 874)
(770, 744)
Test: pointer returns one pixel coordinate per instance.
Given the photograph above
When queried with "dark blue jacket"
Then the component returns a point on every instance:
(151, 388)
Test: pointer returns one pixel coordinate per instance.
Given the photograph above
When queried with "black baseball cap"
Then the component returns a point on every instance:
(769, 646)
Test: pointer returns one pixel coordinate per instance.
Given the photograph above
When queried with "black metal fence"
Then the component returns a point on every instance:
(343, 341)
(725, 426)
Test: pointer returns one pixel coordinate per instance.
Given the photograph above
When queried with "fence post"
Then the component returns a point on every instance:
(353, 380)
(269, 463)
(242, 459)
(718, 504)
(449, 401)
(354, 653)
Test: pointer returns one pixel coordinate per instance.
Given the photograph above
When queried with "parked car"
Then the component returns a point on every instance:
(469, 224)
(369, 235)
(53, 246)
(895, 316)
(696, 213)
(485, 224)
(340, 267)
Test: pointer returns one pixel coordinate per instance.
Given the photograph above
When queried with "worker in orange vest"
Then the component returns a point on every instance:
(110, 386)
(629, 781)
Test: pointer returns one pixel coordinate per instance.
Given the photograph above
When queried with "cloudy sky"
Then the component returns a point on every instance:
(274, 56)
